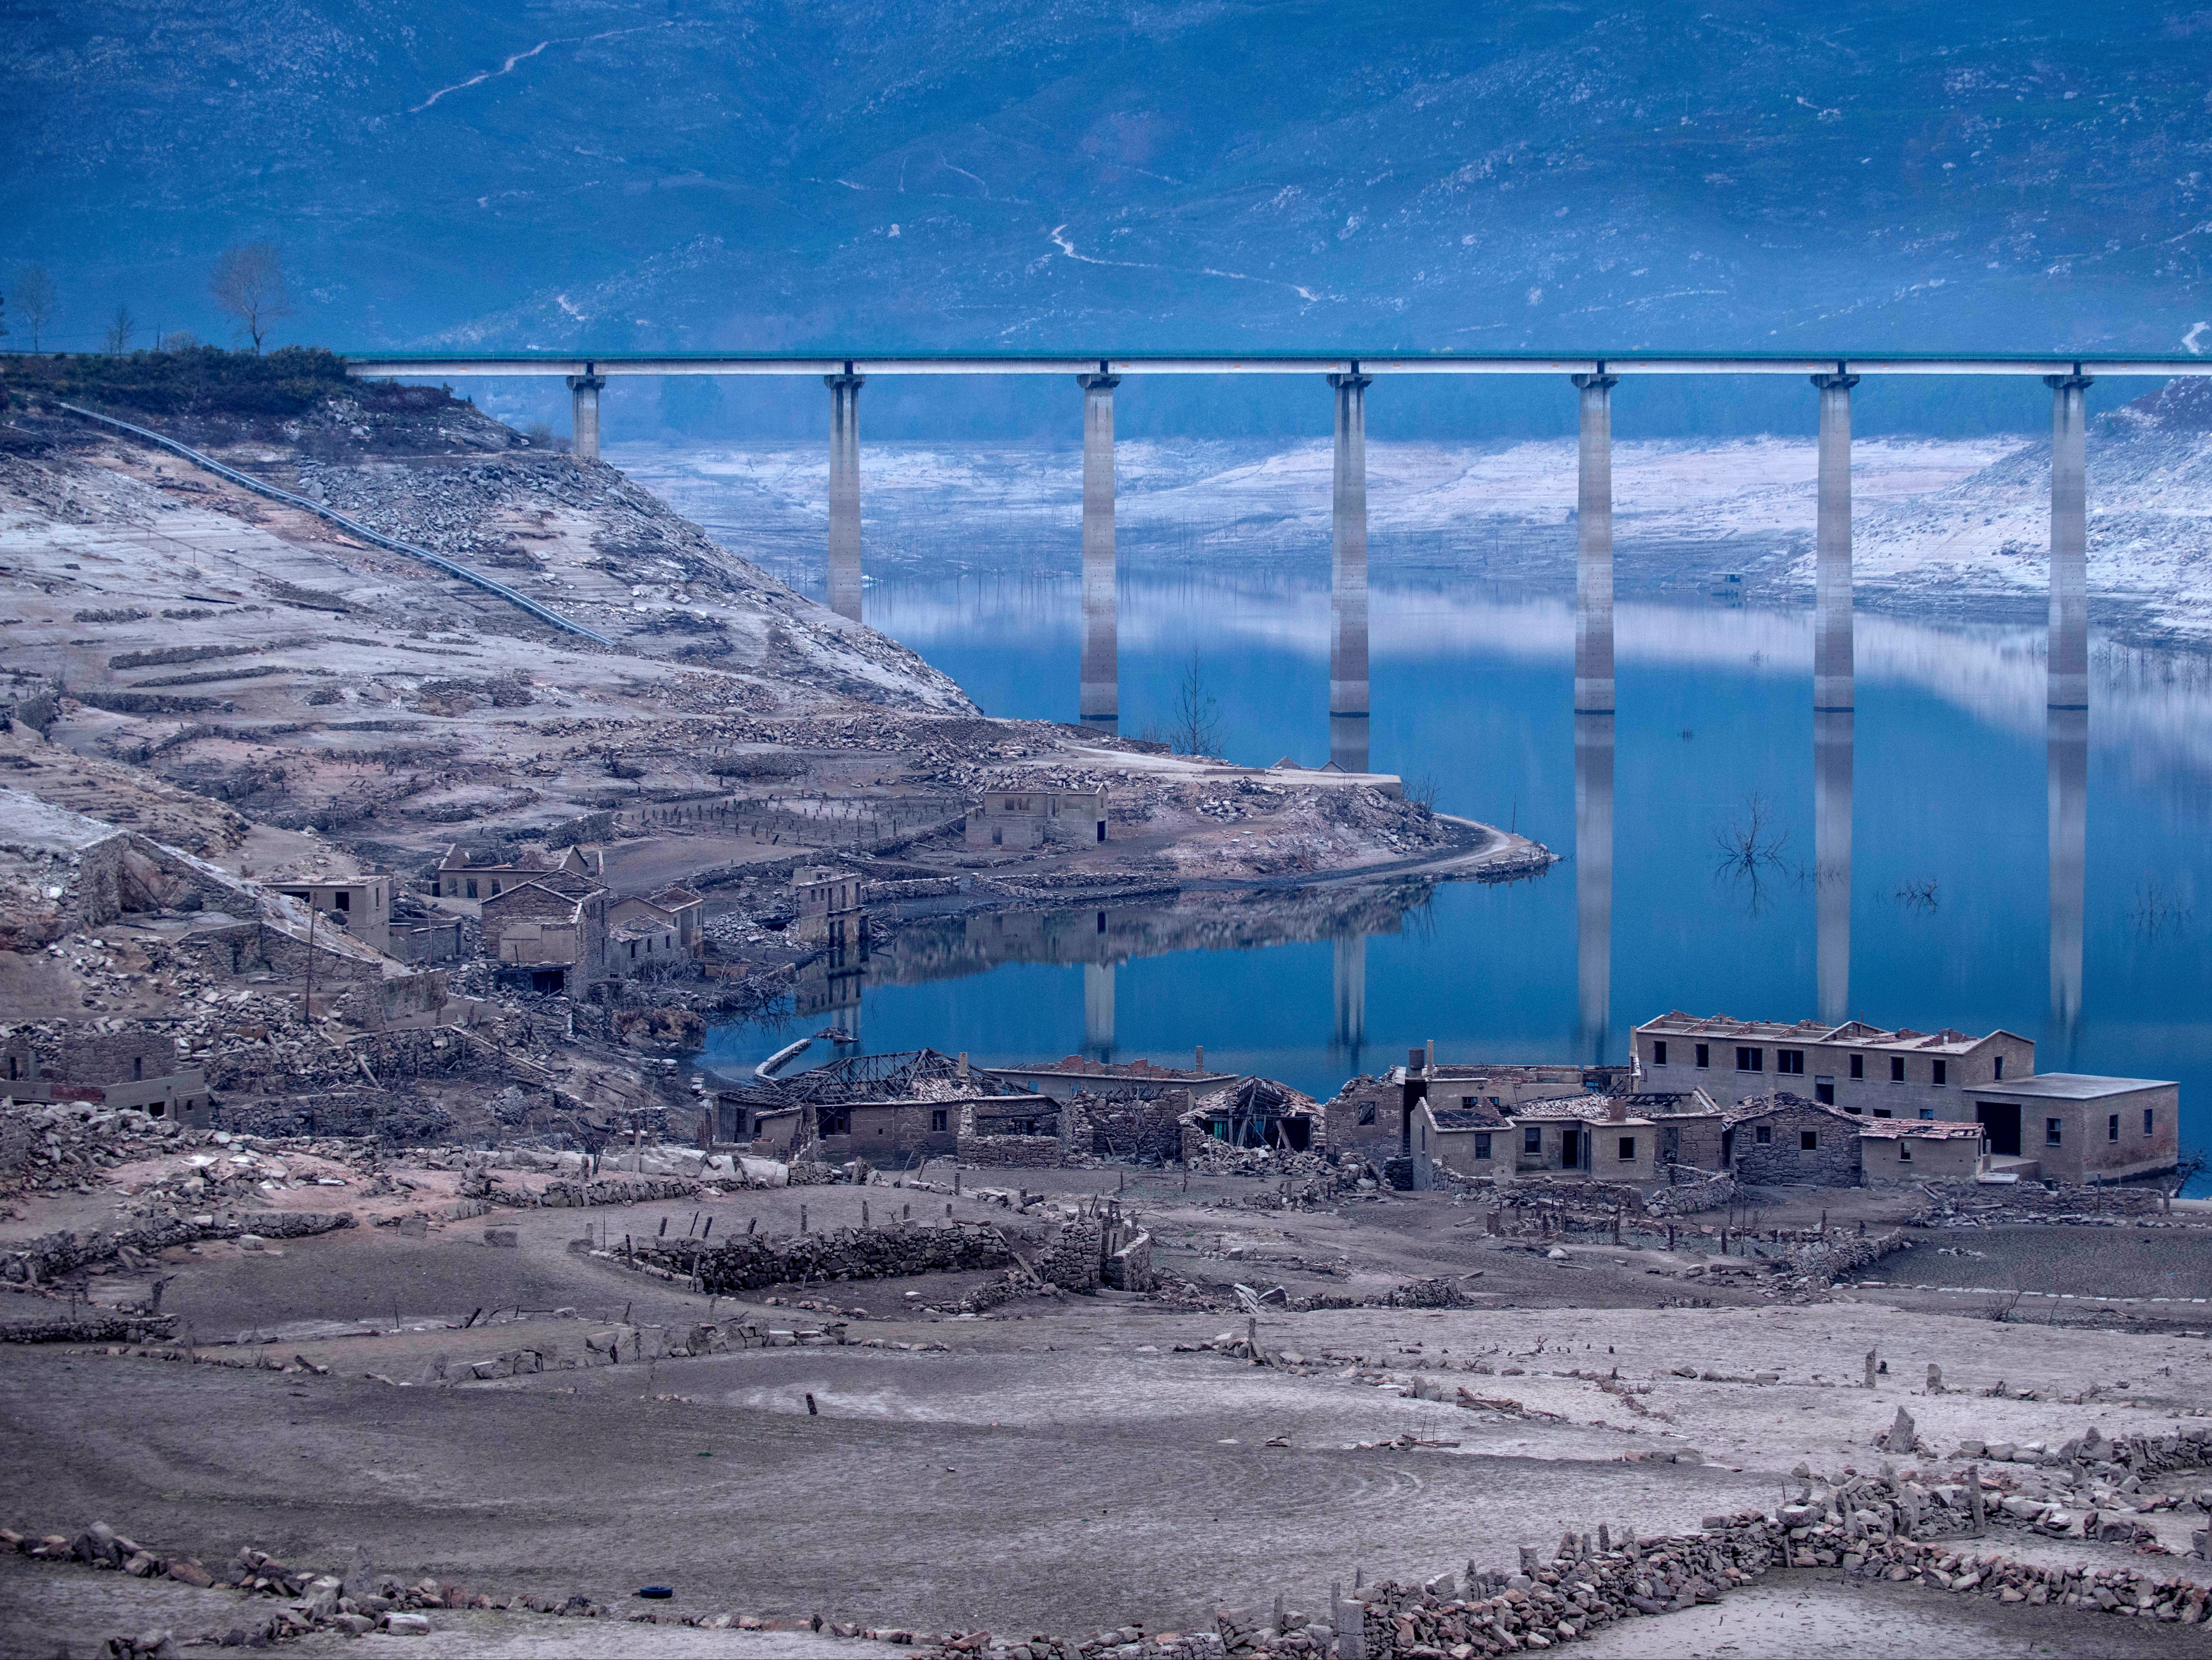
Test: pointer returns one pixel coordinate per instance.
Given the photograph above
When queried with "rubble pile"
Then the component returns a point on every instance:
(66, 1145)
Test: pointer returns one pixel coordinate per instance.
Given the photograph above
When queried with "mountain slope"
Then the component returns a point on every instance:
(620, 173)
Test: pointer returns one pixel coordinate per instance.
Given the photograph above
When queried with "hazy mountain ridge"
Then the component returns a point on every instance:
(611, 174)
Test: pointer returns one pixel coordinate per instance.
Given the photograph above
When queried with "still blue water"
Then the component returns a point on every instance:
(1949, 888)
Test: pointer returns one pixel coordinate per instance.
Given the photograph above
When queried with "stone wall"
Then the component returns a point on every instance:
(611, 1191)
(91, 1328)
(98, 1057)
(1689, 1191)
(1378, 1099)
(1071, 1260)
(1147, 1132)
(1012, 1151)
(52, 1255)
(755, 1261)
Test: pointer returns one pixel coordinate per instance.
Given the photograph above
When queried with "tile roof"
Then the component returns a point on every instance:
(1918, 1130)
(1757, 1106)
(1466, 1118)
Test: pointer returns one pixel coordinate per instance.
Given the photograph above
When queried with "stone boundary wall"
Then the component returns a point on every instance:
(1961, 1204)
(55, 1254)
(606, 1190)
(1832, 1259)
(1704, 1190)
(90, 1329)
(919, 887)
(755, 1261)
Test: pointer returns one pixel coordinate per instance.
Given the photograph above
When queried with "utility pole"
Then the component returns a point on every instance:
(307, 1001)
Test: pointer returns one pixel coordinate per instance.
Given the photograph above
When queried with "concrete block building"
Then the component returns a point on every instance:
(1594, 1136)
(1895, 1150)
(1857, 1066)
(2062, 1126)
(2076, 1127)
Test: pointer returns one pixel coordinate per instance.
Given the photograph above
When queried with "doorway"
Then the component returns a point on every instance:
(2000, 1121)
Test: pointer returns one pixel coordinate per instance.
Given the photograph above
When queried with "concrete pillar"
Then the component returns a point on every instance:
(1098, 1010)
(1834, 700)
(1832, 738)
(2069, 695)
(2069, 800)
(1593, 882)
(1349, 984)
(586, 389)
(845, 492)
(1099, 698)
(1594, 551)
(1347, 638)
(2070, 543)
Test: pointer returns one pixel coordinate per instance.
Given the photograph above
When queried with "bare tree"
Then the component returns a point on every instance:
(1752, 852)
(1197, 716)
(120, 328)
(34, 299)
(248, 285)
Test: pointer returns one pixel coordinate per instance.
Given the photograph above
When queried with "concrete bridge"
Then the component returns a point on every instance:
(1349, 379)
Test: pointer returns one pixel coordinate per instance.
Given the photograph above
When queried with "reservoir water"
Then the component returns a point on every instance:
(1960, 907)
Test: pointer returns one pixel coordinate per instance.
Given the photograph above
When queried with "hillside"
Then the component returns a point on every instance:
(642, 174)
(261, 655)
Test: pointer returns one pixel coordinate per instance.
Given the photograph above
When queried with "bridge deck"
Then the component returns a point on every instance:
(527, 363)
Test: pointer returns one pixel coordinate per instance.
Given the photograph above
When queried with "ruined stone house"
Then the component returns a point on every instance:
(127, 1067)
(676, 909)
(1783, 1140)
(1895, 1150)
(458, 877)
(362, 905)
(551, 929)
(829, 901)
(1255, 1112)
(1031, 818)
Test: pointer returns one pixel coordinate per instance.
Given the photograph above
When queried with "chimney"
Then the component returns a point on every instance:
(1429, 1056)
(1616, 1110)
(964, 1065)
(1199, 1063)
